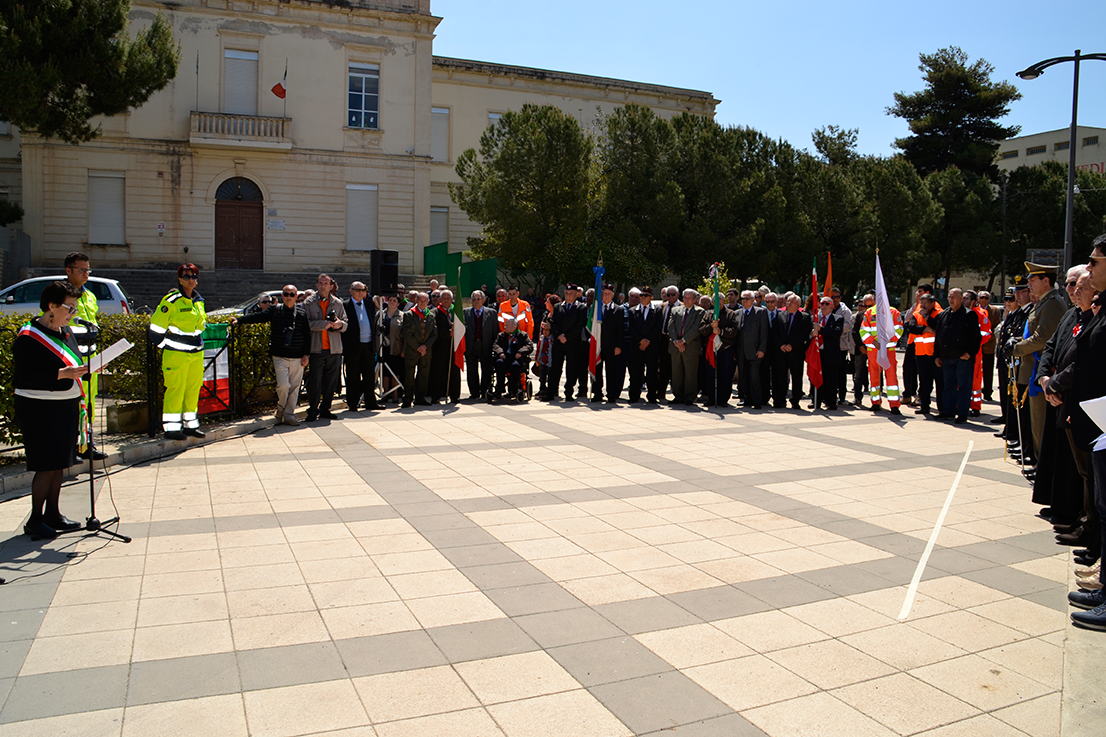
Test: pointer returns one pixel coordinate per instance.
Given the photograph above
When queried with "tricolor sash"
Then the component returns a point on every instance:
(71, 359)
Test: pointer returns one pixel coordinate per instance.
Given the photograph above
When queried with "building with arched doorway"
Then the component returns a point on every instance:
(298, 135)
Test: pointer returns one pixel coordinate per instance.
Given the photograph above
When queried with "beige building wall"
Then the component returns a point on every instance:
(173, 152)
(172, 170)
(475, 92)
(1090, 149)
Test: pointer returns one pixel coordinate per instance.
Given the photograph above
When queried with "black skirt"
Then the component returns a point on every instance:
(49, 431)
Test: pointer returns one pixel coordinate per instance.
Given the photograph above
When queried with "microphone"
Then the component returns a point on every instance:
(86, 323)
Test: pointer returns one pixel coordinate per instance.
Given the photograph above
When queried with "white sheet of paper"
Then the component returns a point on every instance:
(1096, 410)
(109, 354)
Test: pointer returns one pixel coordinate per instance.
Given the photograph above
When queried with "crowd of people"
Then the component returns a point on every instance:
(755, 347)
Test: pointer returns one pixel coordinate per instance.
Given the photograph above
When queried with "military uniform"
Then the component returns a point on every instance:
(1042, 323)
(177, 327)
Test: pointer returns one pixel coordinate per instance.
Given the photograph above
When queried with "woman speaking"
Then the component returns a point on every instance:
(49, 404)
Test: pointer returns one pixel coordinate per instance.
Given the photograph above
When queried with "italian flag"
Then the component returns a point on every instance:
(458, 331)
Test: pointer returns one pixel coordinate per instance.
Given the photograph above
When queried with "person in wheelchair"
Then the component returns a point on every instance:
(511, 357)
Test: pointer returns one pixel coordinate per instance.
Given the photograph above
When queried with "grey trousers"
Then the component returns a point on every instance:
(289, 374)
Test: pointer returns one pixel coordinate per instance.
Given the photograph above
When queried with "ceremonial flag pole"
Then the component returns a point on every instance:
(885, 322)
(458, 330)
(595, 323)
(715, 341)
(280, 89)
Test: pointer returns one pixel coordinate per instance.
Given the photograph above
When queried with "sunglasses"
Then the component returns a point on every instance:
(189, 277)
(266, 302)
(359, 289)
(288, 294)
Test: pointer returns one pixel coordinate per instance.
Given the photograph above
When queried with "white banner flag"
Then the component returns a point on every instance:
(885, 323)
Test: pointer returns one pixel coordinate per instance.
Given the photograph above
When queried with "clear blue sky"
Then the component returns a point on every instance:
(786, 67)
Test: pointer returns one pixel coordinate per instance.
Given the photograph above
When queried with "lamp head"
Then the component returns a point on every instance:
(1030, 73)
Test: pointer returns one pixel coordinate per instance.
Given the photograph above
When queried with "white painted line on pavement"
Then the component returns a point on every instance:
(913, 590)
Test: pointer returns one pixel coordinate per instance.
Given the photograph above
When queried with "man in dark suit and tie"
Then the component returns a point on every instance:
(445, 377)
(792, 328)
(481, 327)
(613, 341)
(566, 329)
(686, 347)
(670, 297)
(751, 347)
(359, 348)
(829, 329)
(646, 325)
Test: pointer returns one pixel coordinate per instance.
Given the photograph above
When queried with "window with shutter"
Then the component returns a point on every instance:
(439, 225)
(240, 82)
(361, 217)
(439, 133)
(107, 221)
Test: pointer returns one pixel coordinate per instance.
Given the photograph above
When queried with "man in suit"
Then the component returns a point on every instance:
(646, 326)
(670, 297)
(725, 329)
(828, 328)
(445, 377)
(610, 370)
(567, 328)
(958, 340)
(511, 353)
(751, 347)
(419, 330)
(685, 347)
(481, 327)
(359, 348)
(793, 328)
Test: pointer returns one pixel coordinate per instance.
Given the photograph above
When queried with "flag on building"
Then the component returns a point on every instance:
(280, 89)
(595, 324)
(886, 334)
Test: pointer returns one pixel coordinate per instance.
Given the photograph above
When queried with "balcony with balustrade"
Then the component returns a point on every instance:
(228, 130)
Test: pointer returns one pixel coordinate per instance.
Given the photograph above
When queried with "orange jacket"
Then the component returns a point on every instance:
(923, 344)
(524, 317)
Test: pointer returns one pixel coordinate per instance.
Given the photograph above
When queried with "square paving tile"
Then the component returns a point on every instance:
(414, 693)
(830, 663)
(748, 682)
(222, 715)
(809, 715)
(66, 692)
(905, 704)
(607, 661)
(514, 677)
(656, 702)
(569, 714)
(980, 682)
(291, 710)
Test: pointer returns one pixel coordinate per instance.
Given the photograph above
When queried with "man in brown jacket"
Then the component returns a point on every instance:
(1043, 320)
(326, 315)
(419, 330)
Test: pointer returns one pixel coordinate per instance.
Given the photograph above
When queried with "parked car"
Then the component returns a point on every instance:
(23, 297)
(249, 306)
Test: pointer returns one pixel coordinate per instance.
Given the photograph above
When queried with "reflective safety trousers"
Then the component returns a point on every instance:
(184, 375)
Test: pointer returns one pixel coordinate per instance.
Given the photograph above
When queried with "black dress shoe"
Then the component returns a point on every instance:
(96, 453)
(61, 523)
(1075, 537)
(374, 407)
(974, 412)
(1084, 561)
(1087, 599)
(1085, 553)
(1045, 512)
(943, 416)
(312, 416)
(922, 411)
(895, 411)
(175, 435)
(193, 432)
(421, 403)
(39, 530)
(1000, 434)
(327, 414)
(960, 421)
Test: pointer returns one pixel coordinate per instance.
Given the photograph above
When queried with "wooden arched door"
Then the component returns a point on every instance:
(239, 225)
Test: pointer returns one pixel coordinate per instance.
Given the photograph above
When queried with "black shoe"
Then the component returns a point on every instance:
(922, 411)
(372, 407)
(960, 421)
(96, 453)
(974, 412)
(193, 432)
(1094, 619)
(877, 407)
(896, 411)
(327, 414)
(175, 435)
(490, 399)
(39, 531)
(1086, 561)
(943, 416)
(689, 402)
(1085, 553)
(755, 406)
(1075, 537)
(998, 421)
(61, 523)
(1000, 434)
(795, 405)
(1087, 599)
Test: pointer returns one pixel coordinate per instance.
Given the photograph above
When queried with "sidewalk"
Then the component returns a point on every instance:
(553, 570)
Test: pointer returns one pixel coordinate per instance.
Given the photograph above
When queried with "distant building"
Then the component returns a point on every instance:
(1090, 151)
(219, 170)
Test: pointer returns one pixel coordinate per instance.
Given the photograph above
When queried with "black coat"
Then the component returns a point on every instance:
(646, 329)
(798, 337)
(614, 333)
(351, 340)
(831, 337)
(508, 344)
(568, 322)
(957, 333)
(1088, 380)
(280, 319)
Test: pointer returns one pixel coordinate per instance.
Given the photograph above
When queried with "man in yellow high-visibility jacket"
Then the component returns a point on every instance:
(177, 327)
(86, 329)
(889, 379)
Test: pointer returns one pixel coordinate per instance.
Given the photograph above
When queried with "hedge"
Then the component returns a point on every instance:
(125, 379)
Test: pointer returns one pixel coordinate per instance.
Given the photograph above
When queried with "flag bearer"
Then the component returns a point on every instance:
(890, 382)
(178, 327)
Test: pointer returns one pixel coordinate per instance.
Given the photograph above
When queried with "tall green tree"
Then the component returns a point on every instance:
(640, 208)
(953, 121)
(1036, 201)
(529, 187)
(63, 62)
(966, 237)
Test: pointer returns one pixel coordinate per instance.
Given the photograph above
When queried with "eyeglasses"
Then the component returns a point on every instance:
(1070, 284)
(72, 308)
(80, 269)
(266, 302)
(358, 289)
(1008, 299)
(189, 277)
(288, 294)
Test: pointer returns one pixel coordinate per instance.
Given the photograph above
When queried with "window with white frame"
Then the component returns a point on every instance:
(107, 212)
(361, 217)
(364, 96)
(439, 133)
(240, 82)
(439, 225)
(493, 118)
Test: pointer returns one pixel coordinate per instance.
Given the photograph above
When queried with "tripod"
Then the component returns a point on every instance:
(380, 366)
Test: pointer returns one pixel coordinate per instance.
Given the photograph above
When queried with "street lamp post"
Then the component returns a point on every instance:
(1033, 72)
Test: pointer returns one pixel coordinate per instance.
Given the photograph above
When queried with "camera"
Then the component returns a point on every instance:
(288, 333)
(332, 316)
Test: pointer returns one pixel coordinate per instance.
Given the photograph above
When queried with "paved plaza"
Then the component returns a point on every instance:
(557, 570)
